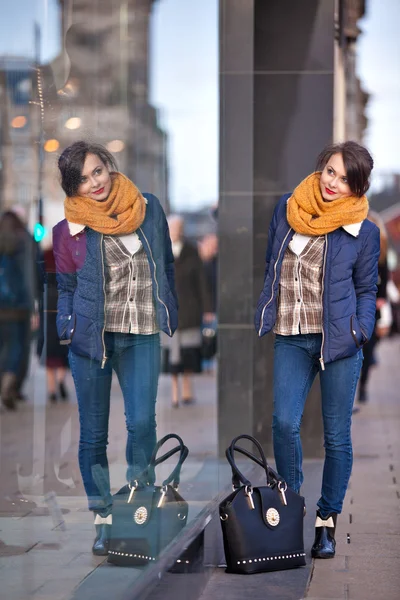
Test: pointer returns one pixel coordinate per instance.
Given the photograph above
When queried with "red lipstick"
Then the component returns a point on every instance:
(330, 192)
(100, 191)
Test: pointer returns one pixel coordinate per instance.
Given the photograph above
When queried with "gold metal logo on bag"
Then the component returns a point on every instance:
(140, 515)
(272, 517)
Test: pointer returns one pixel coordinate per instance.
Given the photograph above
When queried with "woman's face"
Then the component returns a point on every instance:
(96, 179)
(333, 182)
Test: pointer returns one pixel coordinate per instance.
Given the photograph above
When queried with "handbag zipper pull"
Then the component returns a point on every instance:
(282, 487)
(249, 493)
(132, 488)
(163, 494)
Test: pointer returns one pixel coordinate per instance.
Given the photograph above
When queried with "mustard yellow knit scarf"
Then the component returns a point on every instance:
(308, 213)
(122, 212)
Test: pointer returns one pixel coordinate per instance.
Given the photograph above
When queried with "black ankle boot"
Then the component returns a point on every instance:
(103, 534)
(324, 543)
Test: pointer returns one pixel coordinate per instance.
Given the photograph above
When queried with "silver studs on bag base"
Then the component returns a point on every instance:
(131, 555)
(254, 560)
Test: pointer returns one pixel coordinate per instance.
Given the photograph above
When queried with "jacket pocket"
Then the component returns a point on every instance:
(69, 331)
(356, 332)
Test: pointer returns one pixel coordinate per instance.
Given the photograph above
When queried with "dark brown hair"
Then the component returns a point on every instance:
(357, 161)
(72, 160)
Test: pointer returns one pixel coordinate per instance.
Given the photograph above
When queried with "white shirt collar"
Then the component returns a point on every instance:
(75, 228)
(353, 229)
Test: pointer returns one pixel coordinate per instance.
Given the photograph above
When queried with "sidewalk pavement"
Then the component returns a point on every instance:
(366, 566)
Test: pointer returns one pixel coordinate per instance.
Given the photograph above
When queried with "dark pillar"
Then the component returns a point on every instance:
(276, 114)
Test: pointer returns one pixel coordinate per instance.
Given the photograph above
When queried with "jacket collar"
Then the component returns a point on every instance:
(75, 228)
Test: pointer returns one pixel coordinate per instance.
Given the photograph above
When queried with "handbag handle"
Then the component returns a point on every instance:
(237, 477)
(274, 477)
(148, 476)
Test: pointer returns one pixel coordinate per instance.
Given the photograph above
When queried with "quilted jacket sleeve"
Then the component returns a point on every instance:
(271, 235)
(365, 277)
(66, 279)
(268, 257)
(169, 260)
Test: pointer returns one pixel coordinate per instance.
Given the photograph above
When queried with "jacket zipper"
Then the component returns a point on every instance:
(103, 362)
(273, 283)
(155, 277)
(321, 360)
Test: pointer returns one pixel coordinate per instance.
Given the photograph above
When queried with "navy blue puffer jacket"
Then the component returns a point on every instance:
(80, 277)
(349, 285)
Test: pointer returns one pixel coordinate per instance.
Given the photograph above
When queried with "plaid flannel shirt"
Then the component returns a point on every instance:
(300, 290)
(129, 290)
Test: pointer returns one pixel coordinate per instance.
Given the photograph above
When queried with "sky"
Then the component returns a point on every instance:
(378, 54)
(184, 82)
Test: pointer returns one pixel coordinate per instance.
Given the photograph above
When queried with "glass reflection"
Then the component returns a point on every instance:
(140, 79)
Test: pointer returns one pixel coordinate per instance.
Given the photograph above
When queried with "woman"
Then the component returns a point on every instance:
(116, 292)
(383, 315)
(195, 304)
(17, 293)
(319, 298)
(56, 358)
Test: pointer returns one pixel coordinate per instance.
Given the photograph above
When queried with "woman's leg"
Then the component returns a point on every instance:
(93, 385)
(51, 384)
(368, 353)
(175, 389)
(51, 380)
(295, 367)
(137, 364)
(187, 386)
(338, 388)
(61, 373)
(11, 351)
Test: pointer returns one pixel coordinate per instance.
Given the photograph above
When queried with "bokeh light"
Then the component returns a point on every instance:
(73, 123)
(115, 146)
(51, 145)
(18, 122)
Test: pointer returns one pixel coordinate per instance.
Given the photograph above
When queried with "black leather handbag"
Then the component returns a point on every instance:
(147, 517)
(262, 526)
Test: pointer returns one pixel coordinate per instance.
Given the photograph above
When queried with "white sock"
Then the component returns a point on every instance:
(103, 520)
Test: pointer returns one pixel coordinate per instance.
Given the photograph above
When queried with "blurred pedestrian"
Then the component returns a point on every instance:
(56, 355)
(383, 315)
(116, 292)
(34, 264)
(16, 303)
(208, 250)
(195, 305)
(319, 297)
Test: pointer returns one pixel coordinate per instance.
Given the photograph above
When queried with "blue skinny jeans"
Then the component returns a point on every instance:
(296, 363)
(136, 361)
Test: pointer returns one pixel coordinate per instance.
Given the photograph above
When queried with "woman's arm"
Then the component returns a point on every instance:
(383, 273)
(365, 277)
(169, 259)
(203, 288)
(66, 280)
